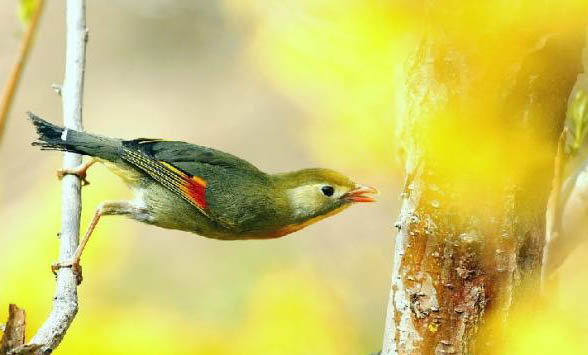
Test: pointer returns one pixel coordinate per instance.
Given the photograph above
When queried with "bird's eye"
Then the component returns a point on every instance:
(328, 190)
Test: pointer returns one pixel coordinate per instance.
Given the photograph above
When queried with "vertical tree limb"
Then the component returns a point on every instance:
(65, 301)
(15, 74)
(486, 99)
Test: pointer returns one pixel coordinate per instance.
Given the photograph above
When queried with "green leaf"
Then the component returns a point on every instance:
(577, 120)
(26, 8)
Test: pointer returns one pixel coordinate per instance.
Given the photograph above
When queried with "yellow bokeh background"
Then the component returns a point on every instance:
(285, 85)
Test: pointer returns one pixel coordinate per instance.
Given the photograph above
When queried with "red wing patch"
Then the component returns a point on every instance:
(192, 187)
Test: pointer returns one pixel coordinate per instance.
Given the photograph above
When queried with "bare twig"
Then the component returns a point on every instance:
(65, 301)
(15, 74)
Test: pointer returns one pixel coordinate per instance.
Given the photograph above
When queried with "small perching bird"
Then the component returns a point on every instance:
(183, 186)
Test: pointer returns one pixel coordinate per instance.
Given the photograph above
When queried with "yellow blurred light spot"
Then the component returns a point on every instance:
(339, 61)
(292, 313)
(541, 330)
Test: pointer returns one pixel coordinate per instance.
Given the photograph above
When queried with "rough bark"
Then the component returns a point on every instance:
(486, 99)
(65, 301)
(14, 331)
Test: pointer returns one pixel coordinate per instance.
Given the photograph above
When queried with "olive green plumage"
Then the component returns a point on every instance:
(205, 191)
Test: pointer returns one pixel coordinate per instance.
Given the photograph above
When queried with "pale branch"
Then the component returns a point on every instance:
(16, 73)
(65, 301)
(571, 228)
(554, 207)
(568, 210)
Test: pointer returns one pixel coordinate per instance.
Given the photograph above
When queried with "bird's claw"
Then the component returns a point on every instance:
(80, 173)
(73, 264)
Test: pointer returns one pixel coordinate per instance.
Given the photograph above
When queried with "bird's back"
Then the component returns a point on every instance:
(236, 194)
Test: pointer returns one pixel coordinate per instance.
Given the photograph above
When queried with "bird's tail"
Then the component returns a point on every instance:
(53, 137)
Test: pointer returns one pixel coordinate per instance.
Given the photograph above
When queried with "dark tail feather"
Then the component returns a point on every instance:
(52, 137)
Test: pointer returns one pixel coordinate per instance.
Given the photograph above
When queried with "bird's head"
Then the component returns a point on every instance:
(313, 194)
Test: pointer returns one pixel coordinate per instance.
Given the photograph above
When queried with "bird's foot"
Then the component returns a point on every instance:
(79, 171)
(75, 266)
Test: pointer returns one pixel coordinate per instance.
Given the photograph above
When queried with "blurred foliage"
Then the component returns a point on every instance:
(341, 62)
(483, 92)
(551, 325)
(577, 119)
(26, 8)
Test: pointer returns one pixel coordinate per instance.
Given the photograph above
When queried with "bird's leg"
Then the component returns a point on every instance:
(79, 171)
(104, 209)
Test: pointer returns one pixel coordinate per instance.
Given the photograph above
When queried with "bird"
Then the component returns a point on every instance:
(192, 188)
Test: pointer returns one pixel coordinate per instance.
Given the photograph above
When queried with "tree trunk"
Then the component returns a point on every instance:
(486, 98)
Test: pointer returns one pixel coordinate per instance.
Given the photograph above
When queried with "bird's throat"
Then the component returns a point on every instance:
(291, 228)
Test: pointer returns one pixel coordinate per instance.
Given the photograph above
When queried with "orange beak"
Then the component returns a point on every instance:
(358, 194)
